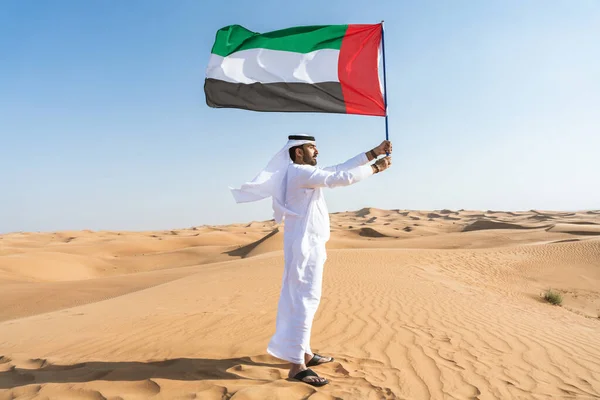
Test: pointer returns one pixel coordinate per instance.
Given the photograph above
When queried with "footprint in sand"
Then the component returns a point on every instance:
(254, 372)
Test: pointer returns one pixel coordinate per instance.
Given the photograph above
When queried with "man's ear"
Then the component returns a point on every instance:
(301, 154)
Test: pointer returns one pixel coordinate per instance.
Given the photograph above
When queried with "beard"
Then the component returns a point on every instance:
(309, 160)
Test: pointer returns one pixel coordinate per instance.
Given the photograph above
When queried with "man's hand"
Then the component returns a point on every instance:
(382, 164)
(384, 148)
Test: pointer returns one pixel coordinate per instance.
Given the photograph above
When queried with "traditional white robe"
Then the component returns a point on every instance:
(306, 232)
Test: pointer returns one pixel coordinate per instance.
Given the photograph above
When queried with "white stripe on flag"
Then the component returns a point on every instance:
(272, 66)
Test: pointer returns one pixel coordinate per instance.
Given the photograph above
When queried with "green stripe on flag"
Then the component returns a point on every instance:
(301, 39)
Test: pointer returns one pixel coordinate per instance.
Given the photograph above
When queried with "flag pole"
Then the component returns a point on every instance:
(384, 82)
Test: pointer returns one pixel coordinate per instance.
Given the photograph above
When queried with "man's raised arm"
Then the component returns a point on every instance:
(384, 148)
(311, 177)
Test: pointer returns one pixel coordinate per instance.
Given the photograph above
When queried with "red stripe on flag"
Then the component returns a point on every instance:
(358, 70)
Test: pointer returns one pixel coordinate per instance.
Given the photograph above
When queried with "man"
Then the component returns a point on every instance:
(294, 183)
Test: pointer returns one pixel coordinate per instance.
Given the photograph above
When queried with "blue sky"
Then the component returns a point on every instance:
(103, 122)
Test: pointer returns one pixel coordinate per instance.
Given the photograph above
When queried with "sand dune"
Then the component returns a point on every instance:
(271, 242)
(484, 224)
(416, 304)
(372, 212)
(576, 229)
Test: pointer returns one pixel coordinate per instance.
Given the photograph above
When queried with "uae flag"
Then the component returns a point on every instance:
(329, 69)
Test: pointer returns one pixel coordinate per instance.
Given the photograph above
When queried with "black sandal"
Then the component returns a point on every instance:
(315, 360)
(309, 372)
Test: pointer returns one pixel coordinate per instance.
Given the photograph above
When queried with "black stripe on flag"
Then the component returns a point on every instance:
(276, 97)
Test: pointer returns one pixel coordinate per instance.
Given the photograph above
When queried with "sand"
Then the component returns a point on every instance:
(440, 304)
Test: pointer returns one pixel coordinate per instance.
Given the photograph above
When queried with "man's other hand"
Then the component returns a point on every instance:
(384, 163)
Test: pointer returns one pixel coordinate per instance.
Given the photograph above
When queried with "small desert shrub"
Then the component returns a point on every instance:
(553, 297)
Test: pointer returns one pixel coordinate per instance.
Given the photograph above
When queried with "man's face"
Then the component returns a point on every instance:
(310, 154)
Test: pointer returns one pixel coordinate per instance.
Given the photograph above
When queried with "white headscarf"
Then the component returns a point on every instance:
(272, 180)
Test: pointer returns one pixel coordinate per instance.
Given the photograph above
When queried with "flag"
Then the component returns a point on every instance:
(328, 69)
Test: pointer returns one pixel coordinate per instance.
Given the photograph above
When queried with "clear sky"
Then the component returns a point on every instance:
(104, 125)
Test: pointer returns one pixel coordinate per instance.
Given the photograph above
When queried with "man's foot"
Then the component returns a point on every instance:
(312, 360)
(310, 377)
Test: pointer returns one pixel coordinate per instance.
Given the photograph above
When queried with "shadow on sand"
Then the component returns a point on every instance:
(182, 369)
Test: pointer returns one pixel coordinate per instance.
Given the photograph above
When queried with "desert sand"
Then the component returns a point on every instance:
(443, 304)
